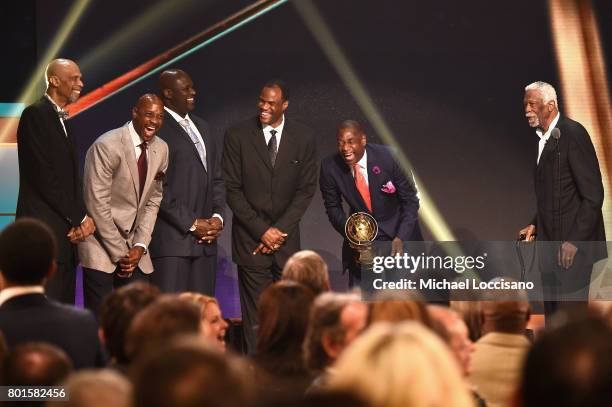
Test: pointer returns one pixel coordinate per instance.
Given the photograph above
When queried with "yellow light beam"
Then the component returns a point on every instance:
(320, 31)
(34, 85)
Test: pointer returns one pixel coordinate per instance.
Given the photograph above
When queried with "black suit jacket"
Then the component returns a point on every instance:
(581, 191)
(49, 180)
(35, 318)
(262, 196)
(190, 191)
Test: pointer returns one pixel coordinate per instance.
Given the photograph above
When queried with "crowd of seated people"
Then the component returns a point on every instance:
(315, 347)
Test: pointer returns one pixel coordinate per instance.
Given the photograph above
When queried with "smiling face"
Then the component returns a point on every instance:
(148, 116)
(538, 114)
(178, 91)
(272, 105)
(351, 145)
(65, 84)
(213, 325)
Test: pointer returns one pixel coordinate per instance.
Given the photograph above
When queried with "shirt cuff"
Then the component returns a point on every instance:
(141, 245)
(216, 215)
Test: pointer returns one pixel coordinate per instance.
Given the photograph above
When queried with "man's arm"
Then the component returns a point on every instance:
(100, 164)
(34, 150)
(304, 191)
(587, 176)
(232, 172)
(408, 200)
(332, 199)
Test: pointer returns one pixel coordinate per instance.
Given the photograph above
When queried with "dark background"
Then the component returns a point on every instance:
(447, 76)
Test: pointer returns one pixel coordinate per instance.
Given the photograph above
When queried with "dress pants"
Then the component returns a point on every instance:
(61, 286)
(180, 274)
(252, 281)
(98, 284)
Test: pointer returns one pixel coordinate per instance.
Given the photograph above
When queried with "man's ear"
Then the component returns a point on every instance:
(54, 81)
(167, 93)
(331, 348)
(364, 139)
(285, 105)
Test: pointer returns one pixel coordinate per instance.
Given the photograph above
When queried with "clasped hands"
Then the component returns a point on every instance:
(79, 233)
(207, 230)
(271, 241)
(129, 262)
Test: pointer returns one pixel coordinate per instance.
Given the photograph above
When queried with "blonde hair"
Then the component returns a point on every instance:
(308, 268)
(396, 365)
(200, 299)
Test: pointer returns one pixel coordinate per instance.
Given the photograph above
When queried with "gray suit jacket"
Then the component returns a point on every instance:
(111, 193)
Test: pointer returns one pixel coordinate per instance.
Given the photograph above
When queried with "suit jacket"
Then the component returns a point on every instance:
(35, 318)
(396, 213)
(49, 182)
(262, 196)
(190, 191)
(496, 366)
(582, 193)
(111, 191)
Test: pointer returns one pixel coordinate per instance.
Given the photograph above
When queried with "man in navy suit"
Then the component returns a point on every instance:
(369, 179)
(184, 243)
(27, 261)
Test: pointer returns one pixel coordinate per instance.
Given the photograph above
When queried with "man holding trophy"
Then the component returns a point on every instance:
(381, 198)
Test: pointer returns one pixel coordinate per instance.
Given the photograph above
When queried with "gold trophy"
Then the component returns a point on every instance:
(361, 229)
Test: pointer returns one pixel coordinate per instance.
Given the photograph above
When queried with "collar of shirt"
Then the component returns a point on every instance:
(136, 140)
(363, 166)
(192, 125)
(545, 136)
(279, 131)
(57, 109)
(176, 116)
(12, 292)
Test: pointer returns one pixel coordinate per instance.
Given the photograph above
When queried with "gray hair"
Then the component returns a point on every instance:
(546, 90)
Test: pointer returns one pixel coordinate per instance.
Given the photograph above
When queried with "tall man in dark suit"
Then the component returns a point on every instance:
(49, 180)
(569, 194)
(27, 260)
(184, 246)
(370, 180)
(270, 173)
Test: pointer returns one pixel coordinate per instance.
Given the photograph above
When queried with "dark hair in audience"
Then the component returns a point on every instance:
(27, 250)
(570, 366)
(281, 85)
(190, 372)
(35, 364)
(284, 308)
(160, 321)
(117, 312)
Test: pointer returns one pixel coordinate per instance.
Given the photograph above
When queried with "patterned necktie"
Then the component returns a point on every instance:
(195, 141)
(273, 147)
(362, 186)
(63, 114)
(142, 166)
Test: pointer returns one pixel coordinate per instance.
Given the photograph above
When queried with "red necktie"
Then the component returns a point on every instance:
(362, 186)
(142, 166)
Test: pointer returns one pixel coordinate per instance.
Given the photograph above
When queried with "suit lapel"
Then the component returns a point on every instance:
(259, 142)
(130, 155)
(549, 147)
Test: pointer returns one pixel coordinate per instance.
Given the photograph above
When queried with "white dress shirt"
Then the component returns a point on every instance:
(57, 109)
(12, 292)
(363, 167)
(279, 132)
(545, 136)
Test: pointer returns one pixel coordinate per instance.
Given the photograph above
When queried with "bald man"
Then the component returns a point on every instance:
(184, 244)
(49, 184)
(124, 172)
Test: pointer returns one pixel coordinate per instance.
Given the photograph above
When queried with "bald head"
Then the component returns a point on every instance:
(148, 116)
(176, 88)
(64, 81)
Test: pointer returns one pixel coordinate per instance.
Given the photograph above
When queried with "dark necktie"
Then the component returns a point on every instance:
(142, 166)
(273, 147)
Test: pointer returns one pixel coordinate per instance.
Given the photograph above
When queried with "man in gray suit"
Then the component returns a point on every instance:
(124, 172)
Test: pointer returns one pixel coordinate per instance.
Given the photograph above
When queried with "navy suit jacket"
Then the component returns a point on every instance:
(396, 213)
(190, 191)
(35, 318)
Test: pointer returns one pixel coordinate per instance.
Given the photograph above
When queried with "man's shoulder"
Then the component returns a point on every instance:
(571, 127)
(244, 126)
(298, 126)
(41, 107)
(380, 149)
(111, 137)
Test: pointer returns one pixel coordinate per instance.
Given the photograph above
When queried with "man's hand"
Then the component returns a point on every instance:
(207, 230)
(129, 262)
(397, 246)
(566, 254)
(79, 233)
(263, 249)
(528, 233)
(75, 235)
(273, 238)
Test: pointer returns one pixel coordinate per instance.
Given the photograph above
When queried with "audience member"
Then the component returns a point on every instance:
(455, 333)
(335, 321)
(499, 354)
(118, 310)
(36, 364)
(401, 365)
(390, 307)
(191, 372)
(467, 304)
(569, 366)
(27, 260)
(308, 268)
(96, 388)
(214, 326)
(284, 309)
(160, 321)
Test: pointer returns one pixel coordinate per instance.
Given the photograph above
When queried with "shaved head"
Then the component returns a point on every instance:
(148, 98)
(63, 78)
(177, 90)
(148, 116)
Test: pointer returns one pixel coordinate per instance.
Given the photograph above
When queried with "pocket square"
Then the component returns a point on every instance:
(388, 188)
